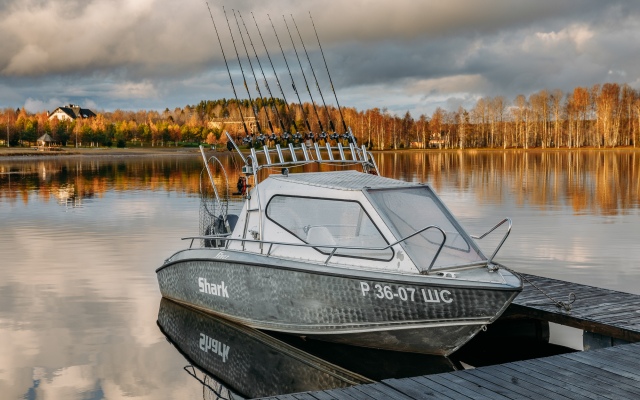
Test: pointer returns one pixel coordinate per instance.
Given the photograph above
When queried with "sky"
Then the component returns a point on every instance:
(402, 55)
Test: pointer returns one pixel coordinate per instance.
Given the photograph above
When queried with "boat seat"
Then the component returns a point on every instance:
(320, 235)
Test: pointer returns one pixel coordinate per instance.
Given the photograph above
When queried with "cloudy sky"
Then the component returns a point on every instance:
(400, 54)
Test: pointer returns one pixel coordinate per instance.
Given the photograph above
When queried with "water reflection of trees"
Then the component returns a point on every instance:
(606, 181)
(81, 179)
(602, 181)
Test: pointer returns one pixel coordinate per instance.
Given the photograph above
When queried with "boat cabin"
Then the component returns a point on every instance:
(357, 220)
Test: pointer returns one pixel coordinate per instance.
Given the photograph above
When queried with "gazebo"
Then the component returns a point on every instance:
(44, 142)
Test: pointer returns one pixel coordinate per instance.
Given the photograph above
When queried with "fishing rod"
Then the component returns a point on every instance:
(331, 126)
(252, 70)
(266, 83)
(253, 107)
(344, 125)
(286, 103)
(303, 75)
(246, 131)
(293, 84)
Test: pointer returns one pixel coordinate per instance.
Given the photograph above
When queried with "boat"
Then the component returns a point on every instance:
(234, 362)
(342, 255)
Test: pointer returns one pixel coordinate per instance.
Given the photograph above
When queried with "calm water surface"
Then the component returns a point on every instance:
(80, 239)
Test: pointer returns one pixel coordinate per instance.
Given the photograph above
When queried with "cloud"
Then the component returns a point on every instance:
(450, 84)
(37, 105)
(159, 53)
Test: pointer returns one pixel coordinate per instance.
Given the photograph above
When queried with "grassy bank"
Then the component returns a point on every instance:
(24, 152)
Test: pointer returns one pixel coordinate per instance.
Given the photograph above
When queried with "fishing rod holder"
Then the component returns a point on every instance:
(302, 154)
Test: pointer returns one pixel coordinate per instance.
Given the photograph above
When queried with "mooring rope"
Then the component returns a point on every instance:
(560, 304)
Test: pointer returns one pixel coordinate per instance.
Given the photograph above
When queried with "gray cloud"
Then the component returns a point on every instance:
(404, 54)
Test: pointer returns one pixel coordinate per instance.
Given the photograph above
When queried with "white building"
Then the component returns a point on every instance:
(71, 113)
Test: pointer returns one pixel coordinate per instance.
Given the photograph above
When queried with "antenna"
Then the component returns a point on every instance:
(253, 107)
(251, 66)
(286, 103)
(344, 125)
(314, 75)
(305, 78)
(293, 84)
(246, 131)
(266, 83)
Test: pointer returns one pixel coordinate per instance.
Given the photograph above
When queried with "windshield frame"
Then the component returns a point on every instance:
(381, 210)
(320, 249)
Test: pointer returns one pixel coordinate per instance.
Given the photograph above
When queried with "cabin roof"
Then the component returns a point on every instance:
(342, 180)
(74, 111)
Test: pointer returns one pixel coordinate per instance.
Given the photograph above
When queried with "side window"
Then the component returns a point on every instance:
(330, 222)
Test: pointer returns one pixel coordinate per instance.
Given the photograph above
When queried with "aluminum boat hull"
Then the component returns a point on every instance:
(400, 312)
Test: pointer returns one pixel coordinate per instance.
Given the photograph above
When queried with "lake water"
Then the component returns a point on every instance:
(81, 237)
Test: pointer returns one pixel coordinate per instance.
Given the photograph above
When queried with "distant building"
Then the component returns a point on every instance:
(71, 113)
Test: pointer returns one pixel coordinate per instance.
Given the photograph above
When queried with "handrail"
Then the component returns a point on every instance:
(331, 246)
(501, 242)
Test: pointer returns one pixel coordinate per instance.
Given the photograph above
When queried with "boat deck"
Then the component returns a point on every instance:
(605, 373)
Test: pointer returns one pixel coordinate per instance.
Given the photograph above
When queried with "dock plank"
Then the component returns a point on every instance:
(320, 395)
(582, 371)
(558, 380)
(303, 396)
(583, 386)
(455, 381)
(415, 390)
(514, 383)
(346, 394)
(422, 380)
(495, 386)
(630, 359)
(626, 371)
(553, 383)
(382, 392)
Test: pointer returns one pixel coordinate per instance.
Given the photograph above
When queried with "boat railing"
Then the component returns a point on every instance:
(332, 246)
(302, 154)
(501, 242)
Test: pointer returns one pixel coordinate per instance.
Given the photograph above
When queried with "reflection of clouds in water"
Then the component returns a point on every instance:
(69, 382)
(85, 286)
(108, 346)
(18, 347)
(119, 369)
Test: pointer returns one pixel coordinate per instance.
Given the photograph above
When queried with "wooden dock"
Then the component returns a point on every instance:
(610, 373)
(606, 373)
(600, 311)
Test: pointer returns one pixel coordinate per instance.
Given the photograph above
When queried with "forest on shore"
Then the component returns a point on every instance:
(606, 115)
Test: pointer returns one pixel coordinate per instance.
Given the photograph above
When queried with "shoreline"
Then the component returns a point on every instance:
(25, 153)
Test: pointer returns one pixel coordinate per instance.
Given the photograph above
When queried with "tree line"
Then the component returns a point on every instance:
(606, 115)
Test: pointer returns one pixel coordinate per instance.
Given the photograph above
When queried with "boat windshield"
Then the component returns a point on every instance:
(407, 210)
(329, 222)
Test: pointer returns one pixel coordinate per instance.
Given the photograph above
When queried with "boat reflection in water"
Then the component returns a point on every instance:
(244, 362)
